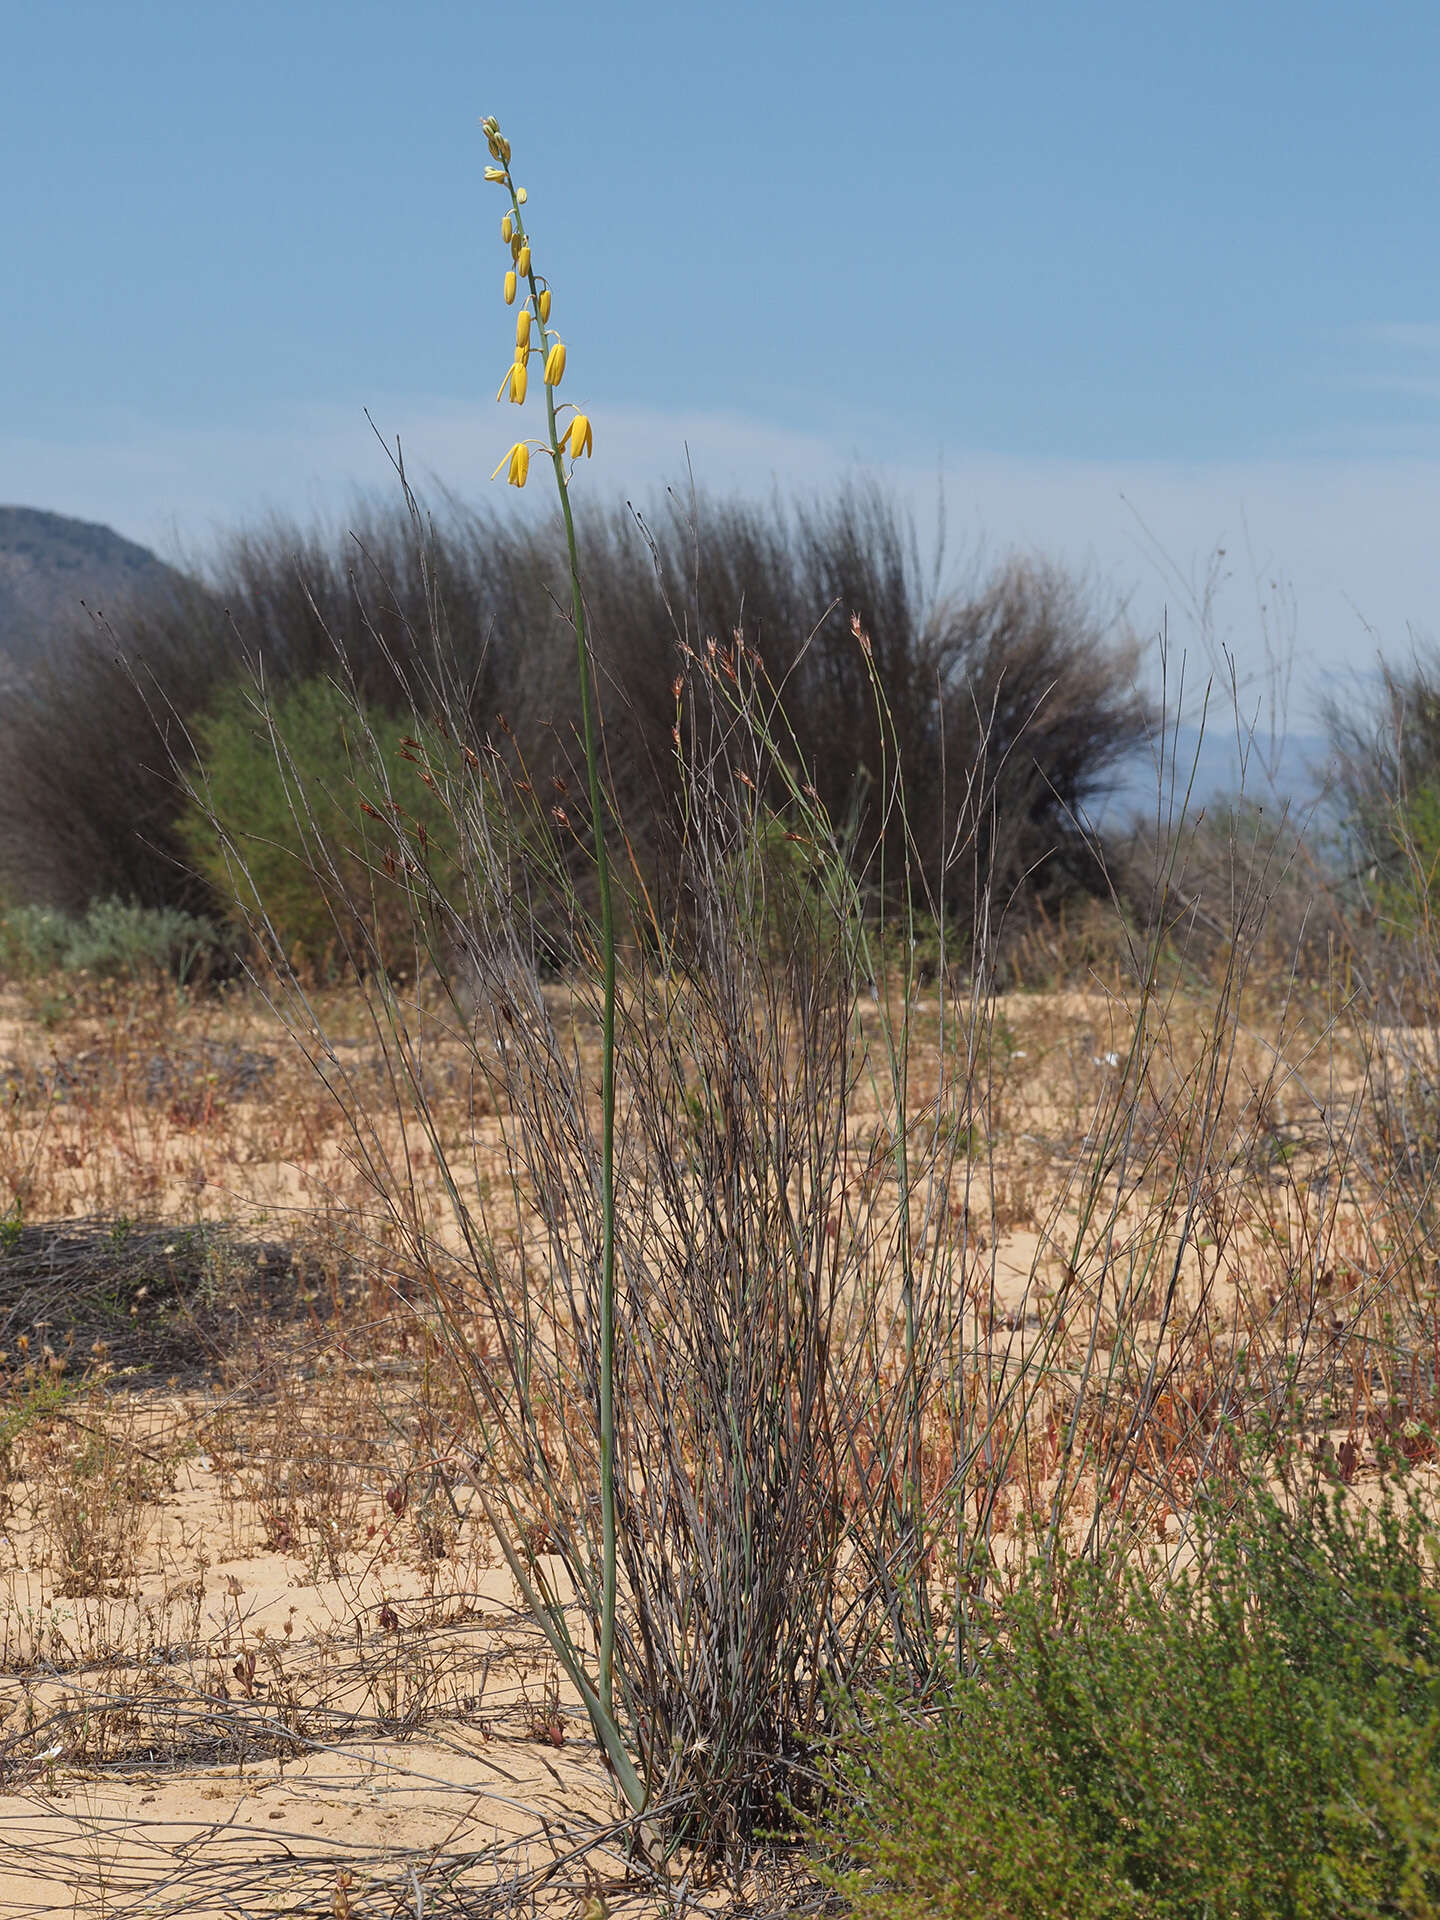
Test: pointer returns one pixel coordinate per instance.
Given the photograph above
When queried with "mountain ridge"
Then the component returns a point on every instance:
(54, 567)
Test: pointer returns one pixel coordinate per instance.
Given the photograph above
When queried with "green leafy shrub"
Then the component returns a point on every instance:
(1256, 1739)
(113, 939)
(292, 808)
(33, 941)
(1406, 887)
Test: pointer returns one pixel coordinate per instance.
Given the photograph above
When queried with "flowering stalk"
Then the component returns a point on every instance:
(600, 1697)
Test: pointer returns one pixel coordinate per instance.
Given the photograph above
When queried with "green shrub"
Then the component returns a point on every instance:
(1406, 887)
(1259, 1739)
(298, 818)
(116, 940)
(113, 939)
(33, 941)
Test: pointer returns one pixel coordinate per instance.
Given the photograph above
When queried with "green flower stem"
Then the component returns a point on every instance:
(586, 665)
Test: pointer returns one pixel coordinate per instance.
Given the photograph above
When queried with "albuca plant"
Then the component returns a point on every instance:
(756, 1415)
(533, 319)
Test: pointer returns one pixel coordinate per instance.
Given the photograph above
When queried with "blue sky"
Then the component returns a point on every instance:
(1141, 282)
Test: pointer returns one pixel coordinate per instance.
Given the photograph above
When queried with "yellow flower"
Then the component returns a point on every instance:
(507, 227)
(522, 328)
(544, 305)
(509, 289)
(521, 195)
(555, 364)
(582, 440)
(512, 387)
(522, 262)
(522, 355)
(495, 173)
(518, 460)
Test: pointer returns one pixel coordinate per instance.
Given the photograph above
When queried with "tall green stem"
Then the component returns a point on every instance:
(591, 741)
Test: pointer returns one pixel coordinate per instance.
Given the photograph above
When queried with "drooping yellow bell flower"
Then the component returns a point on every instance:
(518, 461)
(512, 387)
(510, 284)
(544, 305)
(522, 262)
(522, 328)
(555, 364)
(507, 227)
(582, 440)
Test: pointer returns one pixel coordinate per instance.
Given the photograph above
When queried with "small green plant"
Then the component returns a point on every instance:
(33, 941)
(1259, 1737)
(112, 940)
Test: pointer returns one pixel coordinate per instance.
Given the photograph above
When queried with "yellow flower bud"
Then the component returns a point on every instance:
(582, 440)
(555, 364)
(522, 262)
(544, 305)
(522, 328)
(495, 173)
(507, 227)
(521, 195)
(509, 289)
(512, 387)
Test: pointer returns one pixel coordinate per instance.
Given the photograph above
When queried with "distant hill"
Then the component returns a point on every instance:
(49, 564)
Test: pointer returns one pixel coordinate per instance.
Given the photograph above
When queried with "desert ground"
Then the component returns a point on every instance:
(259, 1651)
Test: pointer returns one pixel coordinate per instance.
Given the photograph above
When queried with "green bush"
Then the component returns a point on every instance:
(114, 939)
(1257, 1739)
(299, 818)
(1406, 887)
(33, 941)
